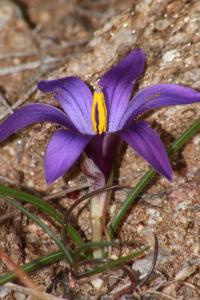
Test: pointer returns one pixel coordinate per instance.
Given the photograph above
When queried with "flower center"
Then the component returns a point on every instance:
(99, 113)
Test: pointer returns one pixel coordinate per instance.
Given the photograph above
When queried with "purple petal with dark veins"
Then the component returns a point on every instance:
(156, 96)
(32, 113)
(118, 84)
(63, 150)
(147, 143)
(103, 150)
(75, 98)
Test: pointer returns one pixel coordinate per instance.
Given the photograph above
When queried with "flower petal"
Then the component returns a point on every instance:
(102, 150)
(118, 84)
(63, 150)
(156, 96)
(147, 143)
(74, 97)
(32, 113)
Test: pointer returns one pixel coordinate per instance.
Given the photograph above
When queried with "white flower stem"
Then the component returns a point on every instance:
(98, 203)
(98, 210)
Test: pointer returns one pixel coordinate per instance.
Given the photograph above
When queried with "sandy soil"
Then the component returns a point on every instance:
(49, 39)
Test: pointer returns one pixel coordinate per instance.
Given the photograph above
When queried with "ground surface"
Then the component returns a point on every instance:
(41, 37)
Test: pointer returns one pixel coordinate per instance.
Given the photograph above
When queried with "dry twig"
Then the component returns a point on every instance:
(28, 66)
(188, 284)
(31, 289)
(160, 294)
(13, 267)
(28, 291)
(66, 191)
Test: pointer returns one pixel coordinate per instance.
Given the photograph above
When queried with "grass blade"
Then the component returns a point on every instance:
(146, 179)
(33, 265)
(111, 265)
(44, 227)
(20, 274)
(44, 207)
(34, 200)
(94, 245)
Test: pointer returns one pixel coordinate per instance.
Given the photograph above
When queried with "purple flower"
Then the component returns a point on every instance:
(97, 122)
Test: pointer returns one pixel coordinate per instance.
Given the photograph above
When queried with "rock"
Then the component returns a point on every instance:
(97, 283)
(143, 265)
(170, 55)
(159, 28)
(19, 296)
(137, 27)
(185, 273)
(3, 292)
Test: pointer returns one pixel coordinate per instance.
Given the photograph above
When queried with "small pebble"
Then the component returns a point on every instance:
(97, 283)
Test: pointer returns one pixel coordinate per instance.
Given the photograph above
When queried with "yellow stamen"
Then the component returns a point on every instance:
(99, 104)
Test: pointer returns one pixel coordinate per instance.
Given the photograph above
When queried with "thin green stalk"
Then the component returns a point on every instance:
(57, 256)
(146, 179)
(33, 265)
(32, 199)
(52, 235)
(44, 207)
(184, 138)
(91, 246)
(73, 233)
(112, 264)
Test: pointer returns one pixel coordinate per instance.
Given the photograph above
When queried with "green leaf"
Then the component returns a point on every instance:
(147, 178)
(112, 264)
(94, 245)
(44, 207)
(90, 246)
(57, 256)
(36, 201)
(33, 265)
(38, 221)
